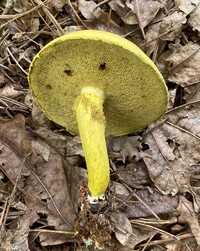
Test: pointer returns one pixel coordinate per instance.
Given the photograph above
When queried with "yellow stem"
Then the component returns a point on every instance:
(91, 124)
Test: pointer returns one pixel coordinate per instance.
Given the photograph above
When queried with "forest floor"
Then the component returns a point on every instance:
(153, 200)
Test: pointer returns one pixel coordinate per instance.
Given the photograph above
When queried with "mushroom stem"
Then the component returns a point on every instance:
(91, 124)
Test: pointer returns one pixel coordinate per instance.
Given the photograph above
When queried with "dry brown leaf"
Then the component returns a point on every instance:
(138, 236)
(41, 148)
(43, 182)
(17, 237)
(65, 145)
(120, 191)
(187, 6)
(97, 18)
(70, 149)
(145, 11)
(136, 12)
(167, 171)
(143, 203)
(123, 228)
(124, 12)
(172, 25)
(58, 4)
(149, 203)
(10, 91)
(194, 19)
(173, 149)
(21, 6)
(192, 93)
(187, 215)
(134, 175)
(183, 245)
(151, 35)
(15, 149)
(47, 192)
(38, 117)
(89, 9)
(184, 64)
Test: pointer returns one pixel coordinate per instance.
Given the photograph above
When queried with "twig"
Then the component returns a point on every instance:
(139, 223)
(169, 240)
(184, 60)
(182, 106)
(51, 17)
(182, 129)
(17, 16)
(101, 3)
(11, 199)
(139, 19)
(10, 53)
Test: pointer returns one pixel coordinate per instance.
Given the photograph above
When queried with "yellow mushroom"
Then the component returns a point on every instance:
(95, 84)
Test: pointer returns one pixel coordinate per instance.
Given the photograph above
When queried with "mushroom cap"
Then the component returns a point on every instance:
(135, 91)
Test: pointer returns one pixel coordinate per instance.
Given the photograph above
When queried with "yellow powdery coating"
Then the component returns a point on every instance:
(89, 106)
(135, 92)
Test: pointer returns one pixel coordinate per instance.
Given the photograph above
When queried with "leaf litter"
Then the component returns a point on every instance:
(153, 199)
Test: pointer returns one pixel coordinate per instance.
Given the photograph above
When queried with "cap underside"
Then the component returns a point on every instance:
(135, 92)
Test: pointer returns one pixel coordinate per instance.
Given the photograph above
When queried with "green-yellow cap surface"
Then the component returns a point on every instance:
(135, 92)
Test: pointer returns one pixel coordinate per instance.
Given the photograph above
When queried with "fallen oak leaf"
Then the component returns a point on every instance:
(43, 183)
(15, 147)
(169, 172)
(184, 64)
(173, 149)
(188, 215)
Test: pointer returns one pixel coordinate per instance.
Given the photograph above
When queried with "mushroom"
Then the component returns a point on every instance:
(95, 84)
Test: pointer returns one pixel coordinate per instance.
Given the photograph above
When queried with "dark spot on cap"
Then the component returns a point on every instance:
(102, 66)
(68, 72)
(49, 86)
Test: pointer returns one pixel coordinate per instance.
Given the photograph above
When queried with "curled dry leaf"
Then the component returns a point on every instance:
(182, 245)
(126, 234)
(58, 4)
(164, 169)
(17, 238)
(186, 6)
(172, 25)
(194, 19)
(21, 6)
(151, 35)
(38, 117)
(136, 12)
(134, 174)
(97, 18)
(145, 11)
(41, 148)
(149, 203)
(89, 9)
(10, 91)
(187, 215)
(173, 149)
(42, 182)
(123, 147)
(123, 228)
(15, 149)
(124, 12)
(47, 192)
(192, 93)
(184, 64)
(65, 145)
